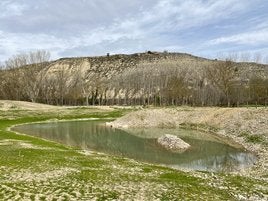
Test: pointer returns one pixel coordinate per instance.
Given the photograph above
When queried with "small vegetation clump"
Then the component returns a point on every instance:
(201, 127)
(255, 138)
(252, 138)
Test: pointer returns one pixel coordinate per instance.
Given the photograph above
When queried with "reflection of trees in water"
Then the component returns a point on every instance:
(203, 155)
(228, 162)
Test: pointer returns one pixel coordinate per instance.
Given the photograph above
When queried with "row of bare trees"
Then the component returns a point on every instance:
(217, 84)
(212, 83)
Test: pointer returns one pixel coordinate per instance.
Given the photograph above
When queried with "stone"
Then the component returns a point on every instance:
(173, 143)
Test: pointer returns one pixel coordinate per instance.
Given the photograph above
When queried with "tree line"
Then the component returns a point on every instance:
(215, 83)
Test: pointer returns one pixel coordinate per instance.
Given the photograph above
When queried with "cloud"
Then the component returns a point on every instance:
(253, 38)
(172, 15)
(10, 8)
(80, 28)
(156, 25)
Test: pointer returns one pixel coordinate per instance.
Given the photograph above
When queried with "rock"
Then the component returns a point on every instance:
(111, 124)
(173, 143)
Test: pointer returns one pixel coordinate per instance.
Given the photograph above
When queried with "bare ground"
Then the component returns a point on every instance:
(7, 105)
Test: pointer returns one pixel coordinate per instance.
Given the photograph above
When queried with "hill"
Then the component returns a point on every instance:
(142, 78)
(109, 66)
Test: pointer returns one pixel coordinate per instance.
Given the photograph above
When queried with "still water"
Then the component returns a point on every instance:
(206, 153)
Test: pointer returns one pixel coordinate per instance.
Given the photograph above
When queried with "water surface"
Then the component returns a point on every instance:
(206, 153)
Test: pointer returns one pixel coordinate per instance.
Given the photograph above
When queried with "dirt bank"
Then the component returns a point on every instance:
(246, 126)
(9, 105)
(6, 105)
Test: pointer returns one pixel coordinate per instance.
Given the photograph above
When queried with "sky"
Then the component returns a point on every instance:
(68, 28)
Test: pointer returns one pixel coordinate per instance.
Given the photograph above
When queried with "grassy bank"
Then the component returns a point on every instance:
(35, 169)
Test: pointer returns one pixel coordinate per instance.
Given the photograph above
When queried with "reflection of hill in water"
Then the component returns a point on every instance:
(203, 155)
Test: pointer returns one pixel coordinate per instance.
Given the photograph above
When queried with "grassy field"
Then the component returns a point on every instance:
(35, 169)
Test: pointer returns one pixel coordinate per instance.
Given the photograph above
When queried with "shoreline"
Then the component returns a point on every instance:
(231, 125)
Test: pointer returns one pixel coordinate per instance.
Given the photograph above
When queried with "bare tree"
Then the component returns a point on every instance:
(266, 59)
(39, 56)
(259, 90)
(35, 73)
(257, 57)
(221, 75)
(25, 82)
(245, 57)
(61, 80)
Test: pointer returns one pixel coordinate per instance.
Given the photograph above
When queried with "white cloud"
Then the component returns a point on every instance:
(165, 17)
(182, 15)
(11, 8)
(249, 38)
(98, 26)
(17, 43)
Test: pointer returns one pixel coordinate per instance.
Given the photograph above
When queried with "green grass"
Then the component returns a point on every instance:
(52, 171)
(201, 127)
(256, 139)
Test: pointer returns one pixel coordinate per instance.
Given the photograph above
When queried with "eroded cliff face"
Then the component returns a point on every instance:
(108, 66)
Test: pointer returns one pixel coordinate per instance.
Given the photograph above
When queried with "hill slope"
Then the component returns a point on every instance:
(107, 66)
(141, 78)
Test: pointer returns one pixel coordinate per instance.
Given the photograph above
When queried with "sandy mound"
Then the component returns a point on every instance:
(251, 120)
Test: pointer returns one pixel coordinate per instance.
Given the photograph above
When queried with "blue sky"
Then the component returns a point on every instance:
(70, 28)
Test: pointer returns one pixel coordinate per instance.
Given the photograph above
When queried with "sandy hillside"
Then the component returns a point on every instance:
(6, 105)
(22, 105)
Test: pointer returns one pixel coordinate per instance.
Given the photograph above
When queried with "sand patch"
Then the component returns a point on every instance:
(29, 176)
(21, 144)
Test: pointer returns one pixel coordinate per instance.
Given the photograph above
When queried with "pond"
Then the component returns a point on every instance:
(207, 153)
